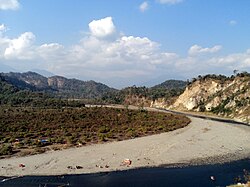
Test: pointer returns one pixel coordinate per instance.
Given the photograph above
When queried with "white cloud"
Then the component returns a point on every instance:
(122, 61)
(232, 22)
(196, 49)
(102, 28)
(144, 6)
(51, 52)
(237, 60)
(2, 28)
(170, 2)
(124, 52)
(23, 48)
(4, 42)
(191, 66)
(9, 4)
(19, 47)
(102, 60)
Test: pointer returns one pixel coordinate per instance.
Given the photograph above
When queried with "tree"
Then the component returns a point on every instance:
(235, 71)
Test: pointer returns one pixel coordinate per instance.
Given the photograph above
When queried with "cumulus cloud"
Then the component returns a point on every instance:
(144, 6)
(24, 48)
(19, 47)
(127, 56)
(196, 49)
(125, 52)
(102, 28)
(9, 4)
(170, 2)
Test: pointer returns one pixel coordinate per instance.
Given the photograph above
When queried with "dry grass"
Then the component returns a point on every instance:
(36, 130)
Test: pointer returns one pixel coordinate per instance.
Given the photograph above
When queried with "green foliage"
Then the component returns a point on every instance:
(201, 106)
(59, 87)
(103, 129)
(222, 78)
(167, 89)
(6, 150)
(13, 96)
(221, 107)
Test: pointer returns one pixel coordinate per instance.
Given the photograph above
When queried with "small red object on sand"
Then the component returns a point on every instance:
(126, 162)
(21, 165)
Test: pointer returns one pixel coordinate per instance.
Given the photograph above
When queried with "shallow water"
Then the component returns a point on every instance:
(193, 176)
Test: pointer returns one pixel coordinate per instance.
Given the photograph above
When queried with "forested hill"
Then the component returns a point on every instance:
(90, 91)
(74, 88)
(12, 95)
(170, 84)
(57, 85)
(143, 96)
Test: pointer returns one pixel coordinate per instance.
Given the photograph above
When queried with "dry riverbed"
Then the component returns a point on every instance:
(201, 141)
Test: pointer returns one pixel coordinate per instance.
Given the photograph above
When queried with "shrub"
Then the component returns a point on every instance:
(103, 129)
(6, 150)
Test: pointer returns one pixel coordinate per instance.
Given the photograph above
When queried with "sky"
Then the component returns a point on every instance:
(125, 42)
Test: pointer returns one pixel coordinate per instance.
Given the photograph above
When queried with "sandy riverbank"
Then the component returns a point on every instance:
(202, 140)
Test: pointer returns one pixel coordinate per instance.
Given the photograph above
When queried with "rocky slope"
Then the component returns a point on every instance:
(225, 96)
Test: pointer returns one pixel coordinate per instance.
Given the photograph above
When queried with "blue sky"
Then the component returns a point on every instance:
(122, 43)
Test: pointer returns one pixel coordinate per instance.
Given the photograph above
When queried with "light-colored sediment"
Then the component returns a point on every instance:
(200, 140)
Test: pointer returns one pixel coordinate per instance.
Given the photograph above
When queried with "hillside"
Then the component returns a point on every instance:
(10, 95)
(143, 96)
(73, 88)
(59, 86)
(6, 90)
(28, 81)
(170, 84)
(224, 96)
(92, 91)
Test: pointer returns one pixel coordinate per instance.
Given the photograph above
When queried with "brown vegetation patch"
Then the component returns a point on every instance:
(35, 130)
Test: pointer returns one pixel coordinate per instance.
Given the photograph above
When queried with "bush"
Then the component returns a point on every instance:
(6, 150)
(103, 129)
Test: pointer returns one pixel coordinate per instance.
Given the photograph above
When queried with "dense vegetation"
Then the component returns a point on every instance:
(156, 92)
(90, 91)
(167, 90)
(34, 128)
(58, 86)
(11, 95)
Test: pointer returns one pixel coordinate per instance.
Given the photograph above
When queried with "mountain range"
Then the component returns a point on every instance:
(58, 85)
(62, 87)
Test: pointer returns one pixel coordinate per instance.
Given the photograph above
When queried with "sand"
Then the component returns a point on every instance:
(201, 141)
